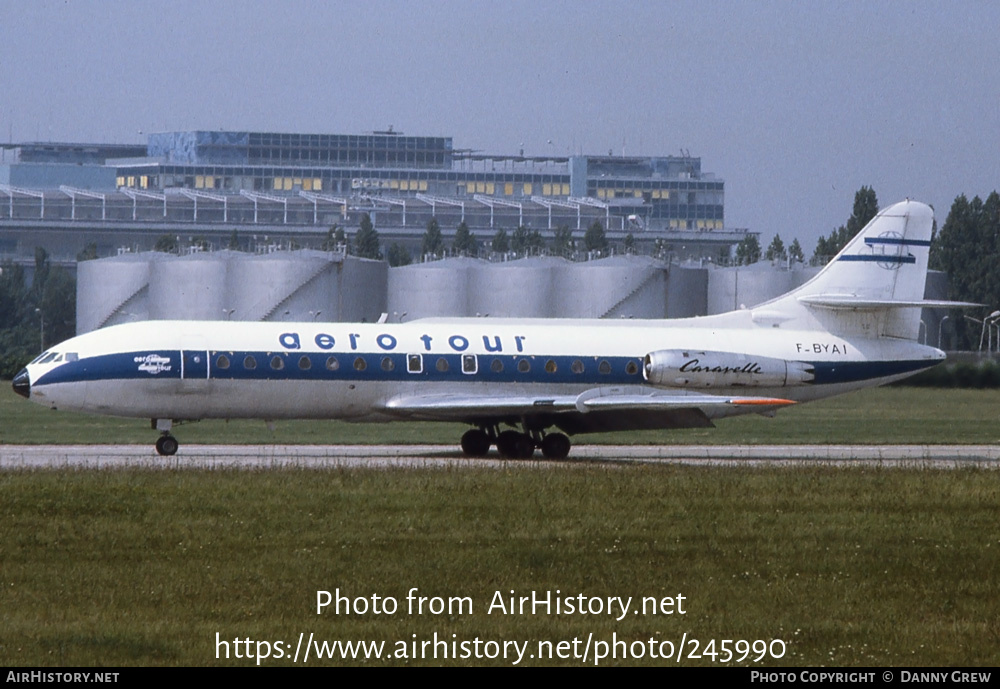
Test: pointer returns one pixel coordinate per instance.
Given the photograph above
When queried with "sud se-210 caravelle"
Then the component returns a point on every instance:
(522, 384)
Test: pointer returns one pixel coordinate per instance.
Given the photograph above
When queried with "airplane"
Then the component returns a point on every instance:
(521, 384)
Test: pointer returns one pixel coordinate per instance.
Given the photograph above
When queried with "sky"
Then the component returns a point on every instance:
(796, 105)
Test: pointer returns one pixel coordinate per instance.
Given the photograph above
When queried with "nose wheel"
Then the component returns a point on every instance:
(166, 445)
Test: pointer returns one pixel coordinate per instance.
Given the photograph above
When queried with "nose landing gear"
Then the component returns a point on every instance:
(166, 444)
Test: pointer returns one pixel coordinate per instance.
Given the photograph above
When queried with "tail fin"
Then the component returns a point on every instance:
(875, 285)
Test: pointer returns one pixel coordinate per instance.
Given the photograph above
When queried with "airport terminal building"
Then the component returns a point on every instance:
(295, 186)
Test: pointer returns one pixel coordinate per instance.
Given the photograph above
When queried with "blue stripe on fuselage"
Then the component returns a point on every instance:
(375, 366)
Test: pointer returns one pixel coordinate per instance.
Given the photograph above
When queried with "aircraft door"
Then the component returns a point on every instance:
(194, 370)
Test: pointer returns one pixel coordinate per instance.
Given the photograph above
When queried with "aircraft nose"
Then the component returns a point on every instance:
(22, 383)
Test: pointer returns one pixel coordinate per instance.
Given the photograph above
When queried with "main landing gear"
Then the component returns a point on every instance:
(515, 444)
(166, 444)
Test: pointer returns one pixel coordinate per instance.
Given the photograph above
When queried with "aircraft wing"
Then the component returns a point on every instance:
(599, 409)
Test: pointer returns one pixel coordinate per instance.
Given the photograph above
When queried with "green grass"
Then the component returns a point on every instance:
(849, 566)
(874, 416)
(859, 567)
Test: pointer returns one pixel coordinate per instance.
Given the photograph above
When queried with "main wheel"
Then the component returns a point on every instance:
(475, 443)
(525, 446)
(555, 446)
(507, 443)
(166, 445)
(514, 445)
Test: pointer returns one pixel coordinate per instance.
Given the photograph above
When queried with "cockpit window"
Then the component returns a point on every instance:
(72, 356)
(49, 358)
(39, 357)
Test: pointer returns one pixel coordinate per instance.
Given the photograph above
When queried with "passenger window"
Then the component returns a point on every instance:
(277, 363)
(360, 364)
(469, 363)
(249, 363)
(496, 366)
(550, 366)
(604, 367)
(387, 364)
(523, 365)
(415, 363)
(631, 368)
(577, 367)
(305, 363)
(332, 364)
(222, 362)
(441, 365)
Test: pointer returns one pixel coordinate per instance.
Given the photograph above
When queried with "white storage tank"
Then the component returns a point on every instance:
(113, 290)
(613, 287)
(284, 285)
(747, 286)
(189, 287)
(517, 289)
(434, 288)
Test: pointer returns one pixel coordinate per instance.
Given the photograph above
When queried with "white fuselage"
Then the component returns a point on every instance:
(192, 370)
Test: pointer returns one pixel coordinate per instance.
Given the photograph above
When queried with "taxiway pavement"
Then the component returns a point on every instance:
(387, 456)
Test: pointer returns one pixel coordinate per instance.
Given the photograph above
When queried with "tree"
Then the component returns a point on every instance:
(465, 243)
(366, 244)
(335, 238)
(88, 253)
(46, 308)
(433, 242)
(748, 250)
(628, 244)
(234, 241)
(57, 305)
(562, 241)
(167, 243)
(966, 249)
(865, 208)
(595, 239)
(525, 242)
(795, 251)
(500, 244)
(398, 256)
(776, 250)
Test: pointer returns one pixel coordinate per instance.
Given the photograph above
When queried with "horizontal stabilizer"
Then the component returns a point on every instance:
(850, 301)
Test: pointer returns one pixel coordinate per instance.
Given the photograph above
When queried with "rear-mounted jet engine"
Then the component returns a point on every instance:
(677, 368)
